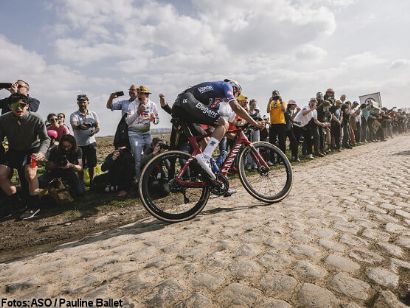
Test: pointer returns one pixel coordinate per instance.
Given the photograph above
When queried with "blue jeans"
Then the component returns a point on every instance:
(138, 142)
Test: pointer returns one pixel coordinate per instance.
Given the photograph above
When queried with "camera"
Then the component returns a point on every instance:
(119, 93)
(5, 85)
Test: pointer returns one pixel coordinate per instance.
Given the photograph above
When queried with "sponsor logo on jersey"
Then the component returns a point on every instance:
(202, 90)
(206, 111)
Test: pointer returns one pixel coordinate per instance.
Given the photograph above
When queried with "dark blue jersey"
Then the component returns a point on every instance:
(212, 92)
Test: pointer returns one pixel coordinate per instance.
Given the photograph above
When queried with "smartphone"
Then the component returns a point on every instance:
(5, 85)
(119, 93)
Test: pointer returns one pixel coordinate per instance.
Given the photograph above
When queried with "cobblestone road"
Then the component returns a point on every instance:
(340, 239)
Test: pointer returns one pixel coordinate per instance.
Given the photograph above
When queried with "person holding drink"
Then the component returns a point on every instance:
(141, 113)
(27, 144)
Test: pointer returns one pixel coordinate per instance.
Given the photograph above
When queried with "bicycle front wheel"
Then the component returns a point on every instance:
(265, 172)
(163, 196)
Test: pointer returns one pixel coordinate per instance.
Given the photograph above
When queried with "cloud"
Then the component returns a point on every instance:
(399, 63)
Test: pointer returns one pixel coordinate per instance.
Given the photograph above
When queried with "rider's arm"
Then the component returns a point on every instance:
(242, 112)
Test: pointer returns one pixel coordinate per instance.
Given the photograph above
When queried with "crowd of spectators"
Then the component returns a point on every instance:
(323, 125)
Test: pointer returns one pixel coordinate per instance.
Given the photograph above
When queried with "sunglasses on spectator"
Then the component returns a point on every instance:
(53, 119)
(18, 105)
(21, 86)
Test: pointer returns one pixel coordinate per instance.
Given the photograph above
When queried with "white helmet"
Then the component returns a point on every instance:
(234, 84)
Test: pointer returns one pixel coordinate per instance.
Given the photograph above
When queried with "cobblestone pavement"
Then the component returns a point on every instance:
(340, 239)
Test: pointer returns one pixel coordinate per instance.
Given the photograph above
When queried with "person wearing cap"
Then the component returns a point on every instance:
(140, 114)
(277, 130)
(85, 124)
(20, 87)
(27, 143)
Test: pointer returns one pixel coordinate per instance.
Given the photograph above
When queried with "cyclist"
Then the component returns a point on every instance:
(197, 105)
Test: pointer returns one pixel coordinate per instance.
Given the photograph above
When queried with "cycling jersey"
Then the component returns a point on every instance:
(199, 104)
(212, 92)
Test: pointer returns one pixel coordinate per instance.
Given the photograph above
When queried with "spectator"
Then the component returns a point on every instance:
(61, 121)
(323, 115)
(330, 96)
(343, 98)
(28, 143)
(121, 133)
(277, 130)
(346, 125)
(54, 125)
(303, 123)
(336, 123)
(289, 115)
(20, 87)
(122, 104)
(120, 171)
(158, 186)
(140, 114)
(356, 121)
(65, 162)
(85, 125)
(255, 114)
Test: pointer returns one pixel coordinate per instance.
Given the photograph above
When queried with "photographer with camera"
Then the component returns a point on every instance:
(20, 87)
(65, 162)
(27, 143)
(85, 125)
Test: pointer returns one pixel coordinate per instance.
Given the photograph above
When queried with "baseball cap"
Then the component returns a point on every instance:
(82, 97)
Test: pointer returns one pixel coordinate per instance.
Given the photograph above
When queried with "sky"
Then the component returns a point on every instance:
(68, 47)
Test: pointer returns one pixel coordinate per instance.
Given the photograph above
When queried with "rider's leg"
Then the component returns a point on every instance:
(216, 137)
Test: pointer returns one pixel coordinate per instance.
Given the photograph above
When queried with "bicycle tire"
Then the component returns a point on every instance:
(245, 175)
(161, 207)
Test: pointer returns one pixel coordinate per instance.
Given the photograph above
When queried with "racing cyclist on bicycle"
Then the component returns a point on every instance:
(197, 105)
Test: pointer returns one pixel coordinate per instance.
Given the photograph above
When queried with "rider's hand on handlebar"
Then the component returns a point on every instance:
(260, 124)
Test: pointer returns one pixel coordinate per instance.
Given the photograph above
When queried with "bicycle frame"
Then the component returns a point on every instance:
(240, 139)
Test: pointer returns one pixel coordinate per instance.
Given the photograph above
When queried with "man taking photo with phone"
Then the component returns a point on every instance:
(20, 87)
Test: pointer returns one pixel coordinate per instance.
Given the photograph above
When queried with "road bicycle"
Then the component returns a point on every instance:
(173, 187)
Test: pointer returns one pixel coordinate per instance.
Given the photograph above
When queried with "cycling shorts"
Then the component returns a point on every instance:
(190, 110)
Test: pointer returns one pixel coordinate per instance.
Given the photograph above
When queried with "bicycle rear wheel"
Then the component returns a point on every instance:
(270, 183)
(163, 197)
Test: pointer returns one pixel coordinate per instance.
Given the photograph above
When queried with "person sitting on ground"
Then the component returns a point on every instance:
(27, 143)
(54, 125)
(119, 172)
(192, 106)
(65, 162)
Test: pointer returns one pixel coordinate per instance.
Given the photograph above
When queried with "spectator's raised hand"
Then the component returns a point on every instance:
(162, 100)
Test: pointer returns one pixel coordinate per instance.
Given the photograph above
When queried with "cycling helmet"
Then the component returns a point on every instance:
(330, 90)
(234, 85)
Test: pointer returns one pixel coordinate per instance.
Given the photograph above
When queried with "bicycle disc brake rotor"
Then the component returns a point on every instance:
(220, 186)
